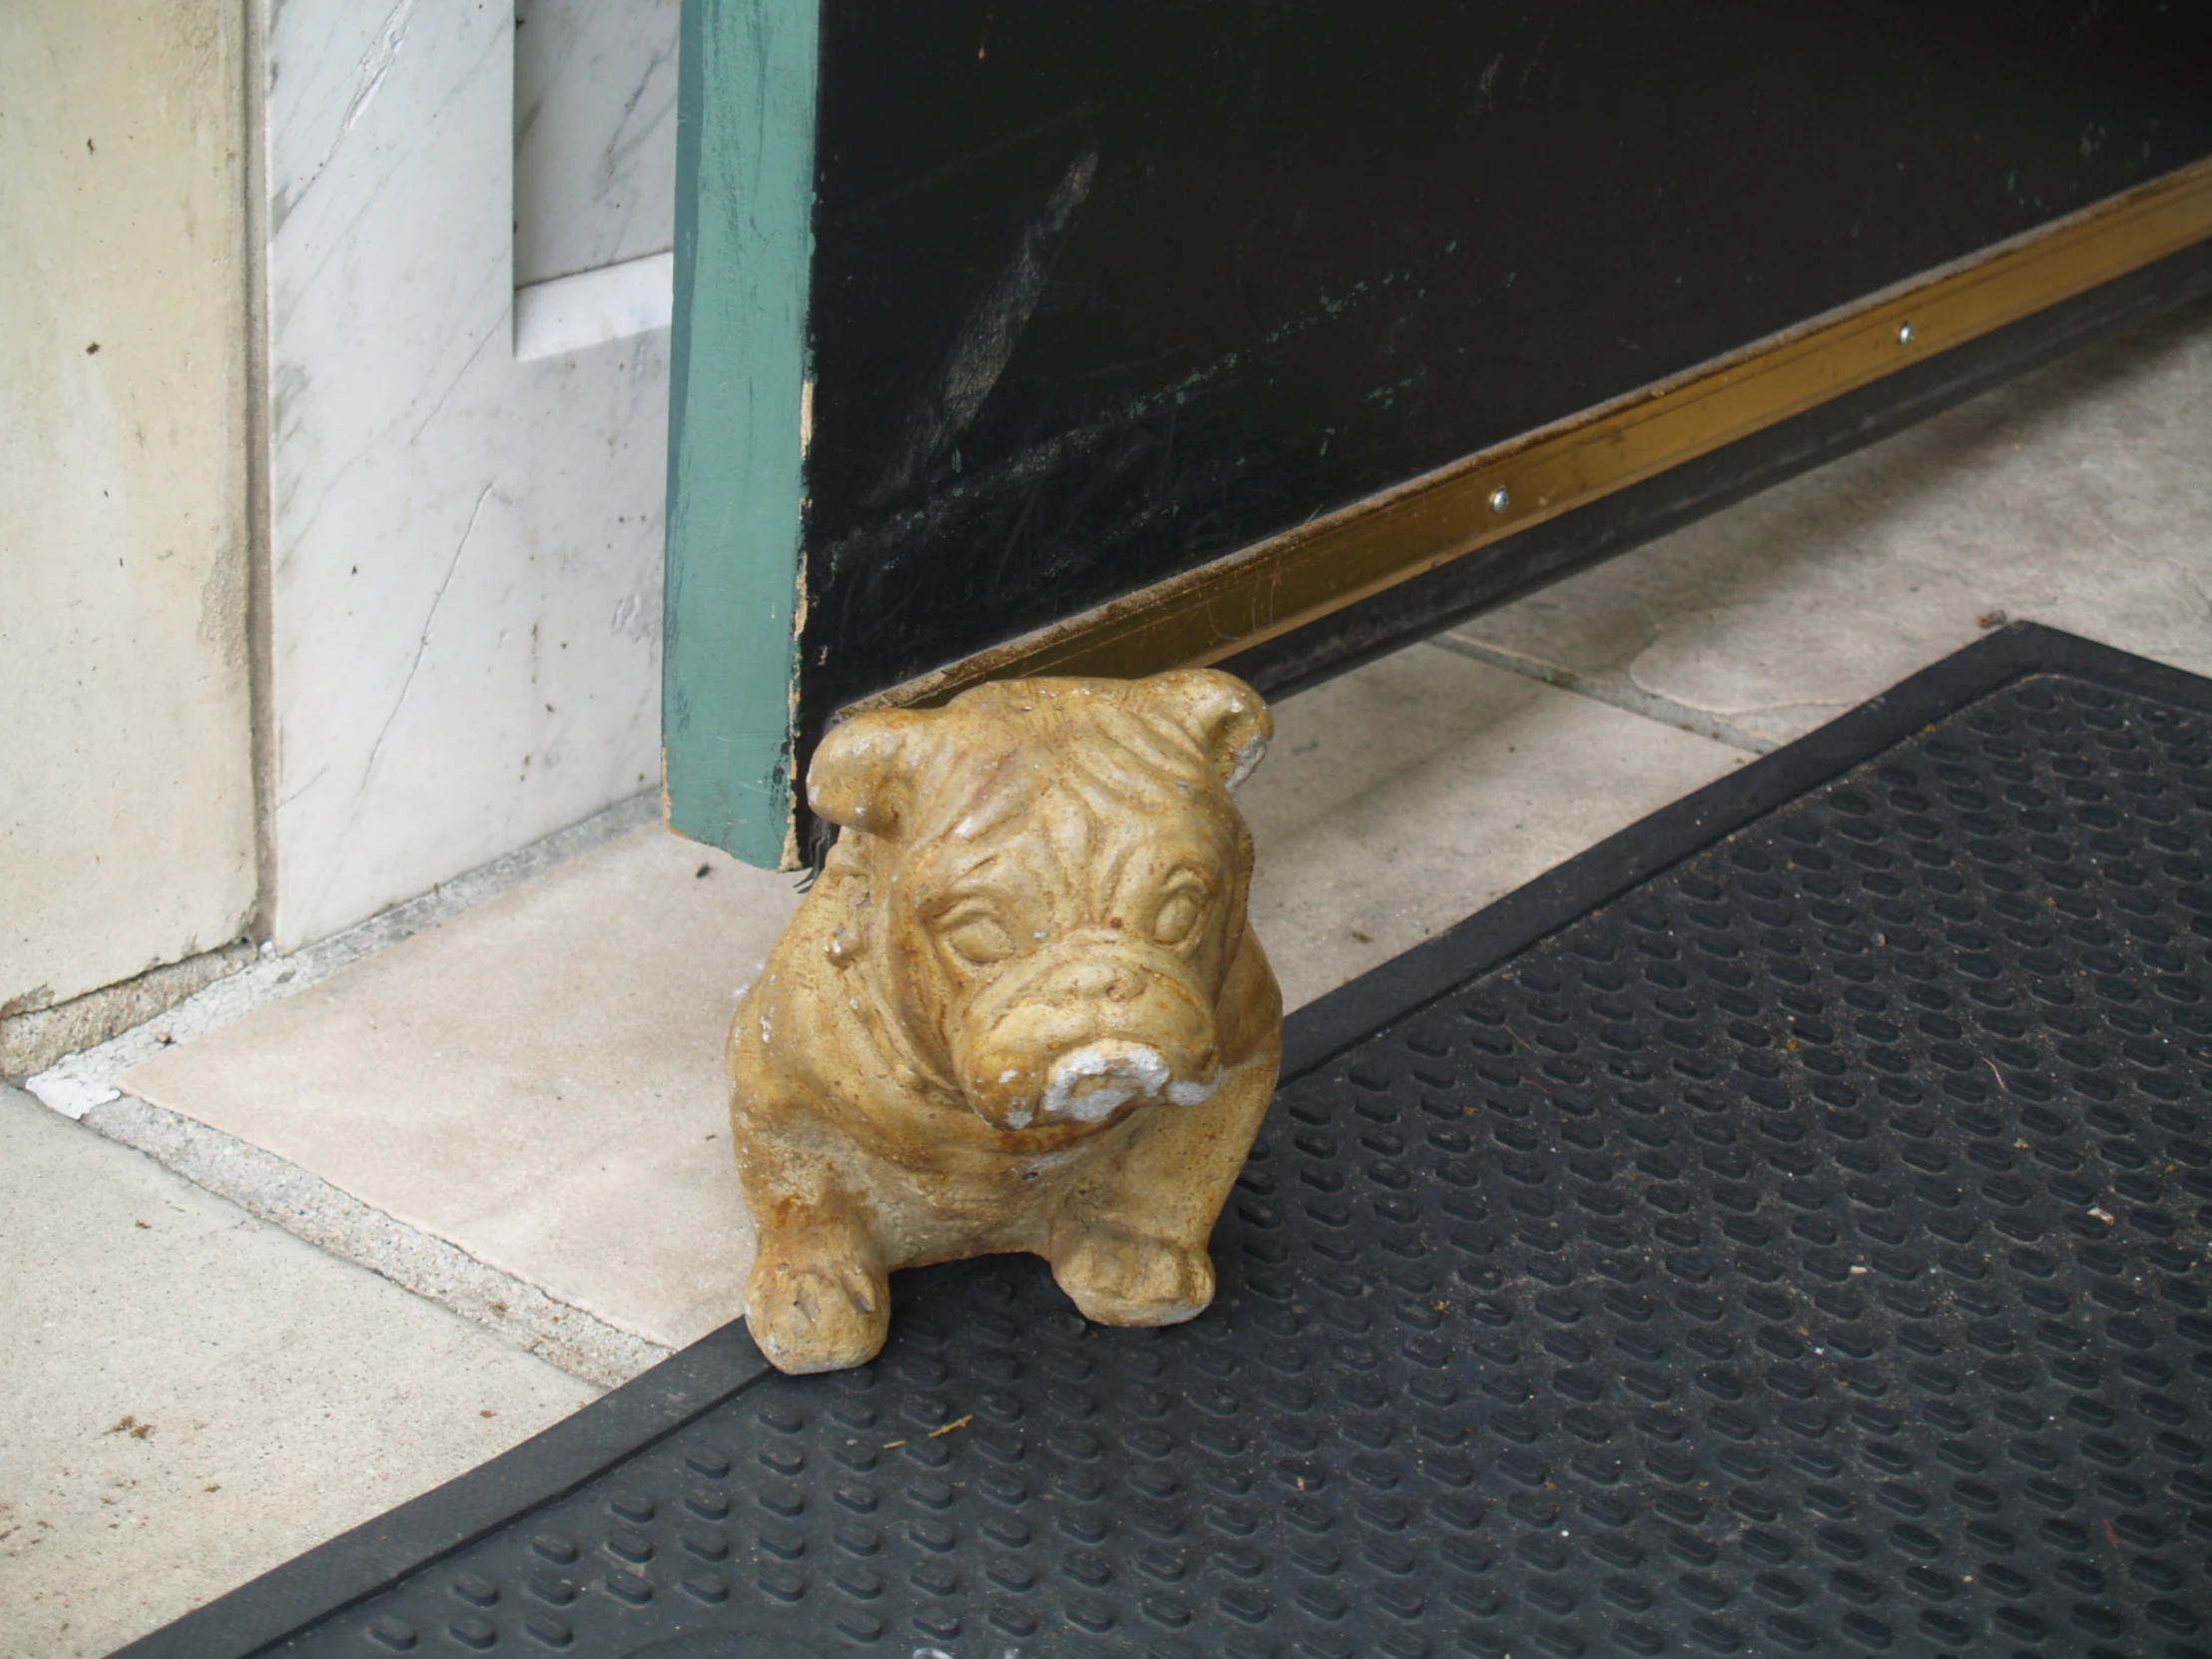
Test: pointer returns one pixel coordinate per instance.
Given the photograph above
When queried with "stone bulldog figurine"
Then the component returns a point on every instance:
(1020, 1010)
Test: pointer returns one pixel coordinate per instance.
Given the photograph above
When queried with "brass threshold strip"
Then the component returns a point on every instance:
(1297, 577)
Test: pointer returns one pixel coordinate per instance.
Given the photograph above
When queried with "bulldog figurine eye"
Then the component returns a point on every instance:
(980, 938)
(1180, 912)
(1021, 1011)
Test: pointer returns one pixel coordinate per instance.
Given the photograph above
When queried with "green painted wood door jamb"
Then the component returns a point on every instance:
(738, 404)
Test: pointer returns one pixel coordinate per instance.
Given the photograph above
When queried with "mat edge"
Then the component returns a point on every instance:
(1399, 988)
(370, 1557)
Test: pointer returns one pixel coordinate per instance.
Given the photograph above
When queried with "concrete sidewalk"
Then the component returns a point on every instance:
(194, 1396)
(517, 1111)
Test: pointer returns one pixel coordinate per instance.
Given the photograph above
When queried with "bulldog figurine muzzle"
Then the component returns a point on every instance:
(1021, 1009)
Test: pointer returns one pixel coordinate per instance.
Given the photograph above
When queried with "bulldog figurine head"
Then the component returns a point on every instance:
(1020, 1010)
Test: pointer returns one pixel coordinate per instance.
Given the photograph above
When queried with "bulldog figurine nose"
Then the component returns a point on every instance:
(1094, 1082)
(948, 1054)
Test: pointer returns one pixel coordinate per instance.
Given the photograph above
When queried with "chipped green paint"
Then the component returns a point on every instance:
(745, 158)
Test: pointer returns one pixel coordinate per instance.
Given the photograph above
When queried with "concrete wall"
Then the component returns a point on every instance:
(126, 752)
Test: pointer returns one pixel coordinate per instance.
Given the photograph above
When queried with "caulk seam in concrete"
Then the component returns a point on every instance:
(1634, 698)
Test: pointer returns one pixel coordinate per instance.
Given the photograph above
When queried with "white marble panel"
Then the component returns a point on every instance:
(466, 548)
(595, 134)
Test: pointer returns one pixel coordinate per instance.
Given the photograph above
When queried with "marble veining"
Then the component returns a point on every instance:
(466, 546)
(595, 134)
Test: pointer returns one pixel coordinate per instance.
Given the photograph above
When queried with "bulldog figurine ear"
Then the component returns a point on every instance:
(1221, 714)
(1021, 1011)
(859, 773)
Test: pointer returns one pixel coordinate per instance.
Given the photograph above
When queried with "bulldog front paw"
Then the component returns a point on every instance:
(1120, 1277)
(812, 1315)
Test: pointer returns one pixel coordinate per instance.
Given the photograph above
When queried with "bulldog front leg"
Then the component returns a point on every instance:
(818, 1298)
(1128, 1247)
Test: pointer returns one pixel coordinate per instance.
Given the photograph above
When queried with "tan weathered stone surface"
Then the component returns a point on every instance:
(1020, 1012)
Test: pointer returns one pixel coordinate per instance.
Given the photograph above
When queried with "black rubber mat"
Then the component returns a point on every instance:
(1782, 1230)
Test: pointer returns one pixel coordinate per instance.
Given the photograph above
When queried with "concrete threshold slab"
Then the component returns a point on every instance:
(79, 1081)
(536, 1082)
(89, 1087)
